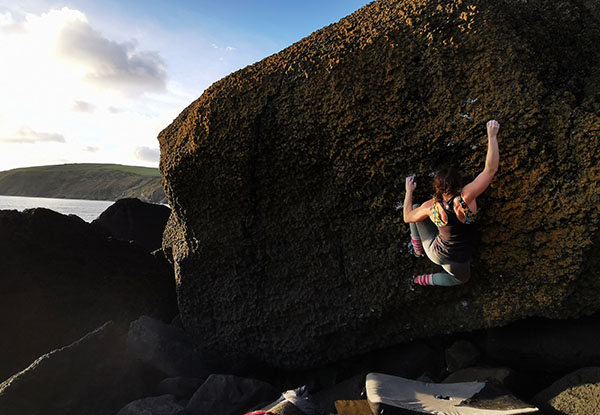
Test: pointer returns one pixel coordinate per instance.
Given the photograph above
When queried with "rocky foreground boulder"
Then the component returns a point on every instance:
(285, 179)
(91, 376)
(59, 279)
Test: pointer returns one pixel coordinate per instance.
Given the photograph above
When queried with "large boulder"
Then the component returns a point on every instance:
(286, 178)
(60, 280)
(133, 220)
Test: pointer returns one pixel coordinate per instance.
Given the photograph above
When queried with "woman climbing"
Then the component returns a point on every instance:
(448, 238)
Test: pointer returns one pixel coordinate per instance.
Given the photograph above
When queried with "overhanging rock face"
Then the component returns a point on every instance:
(285, 179)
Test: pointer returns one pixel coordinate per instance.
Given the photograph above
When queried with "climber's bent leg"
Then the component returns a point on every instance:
(458, 273)
(428, 232)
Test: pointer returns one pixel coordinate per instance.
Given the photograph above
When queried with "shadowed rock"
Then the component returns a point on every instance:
(230, 395)
(158, 405)
(134, 220)
(285, 179)
(60, 280)
(164, 347)
(90, 376)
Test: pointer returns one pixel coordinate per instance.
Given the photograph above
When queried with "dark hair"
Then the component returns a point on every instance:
(447, 180)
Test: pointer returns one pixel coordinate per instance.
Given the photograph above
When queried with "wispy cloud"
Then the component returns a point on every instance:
(147, 154)
(26, 135)
(82, 106)
(91, 149)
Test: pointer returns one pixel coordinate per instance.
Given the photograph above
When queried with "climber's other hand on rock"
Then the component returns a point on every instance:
(492, 128)
(411, 185)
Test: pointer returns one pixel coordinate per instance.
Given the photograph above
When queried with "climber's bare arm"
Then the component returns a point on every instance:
(420, 213)
(481, 182)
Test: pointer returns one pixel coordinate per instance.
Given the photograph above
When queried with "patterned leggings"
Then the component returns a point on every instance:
(456, 272)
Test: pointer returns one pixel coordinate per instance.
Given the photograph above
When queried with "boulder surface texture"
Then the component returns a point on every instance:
(286, 179)
(60, 279)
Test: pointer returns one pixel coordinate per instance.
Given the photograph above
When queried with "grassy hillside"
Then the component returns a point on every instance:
(84, 181)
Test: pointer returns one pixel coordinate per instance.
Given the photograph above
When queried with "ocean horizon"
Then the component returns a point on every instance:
(88, 210)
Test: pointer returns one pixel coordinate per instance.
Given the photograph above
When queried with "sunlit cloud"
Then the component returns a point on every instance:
(147, 154)
(110, 64)
(82, 106)
(26, 135)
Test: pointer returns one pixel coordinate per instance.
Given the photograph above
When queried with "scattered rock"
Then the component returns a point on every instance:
(480, 374)
(62, 280)
(164, 347)
(158, 405)
(230, 395)
(284, 179)
(347, 390)
(180, 387)
(91, 376)
(578, 393)
(547, 345)
(134, 220)
(407, 360)
(460, 355)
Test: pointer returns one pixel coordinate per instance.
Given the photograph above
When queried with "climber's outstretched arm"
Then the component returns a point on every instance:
(481, 182)
(418, 214)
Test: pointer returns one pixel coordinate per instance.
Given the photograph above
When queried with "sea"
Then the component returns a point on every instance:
(88, 210)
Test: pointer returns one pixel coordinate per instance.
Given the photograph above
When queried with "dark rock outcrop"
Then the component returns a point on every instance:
(134, 220)
(60, 280)
(285, 179)
(90, 376)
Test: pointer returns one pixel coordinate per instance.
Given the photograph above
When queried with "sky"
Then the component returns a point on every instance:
(87, 81)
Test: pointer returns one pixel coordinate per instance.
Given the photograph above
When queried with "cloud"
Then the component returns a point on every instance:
(230, 48)
(82, 106)
(147, 154)
(114, 110)
(91, 149)
(110, 64)
(26, 135)
(9, 26)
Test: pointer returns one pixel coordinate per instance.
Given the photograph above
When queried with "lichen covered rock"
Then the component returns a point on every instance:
(285, 179)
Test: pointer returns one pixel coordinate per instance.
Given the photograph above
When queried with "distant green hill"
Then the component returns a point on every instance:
(84, 181)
